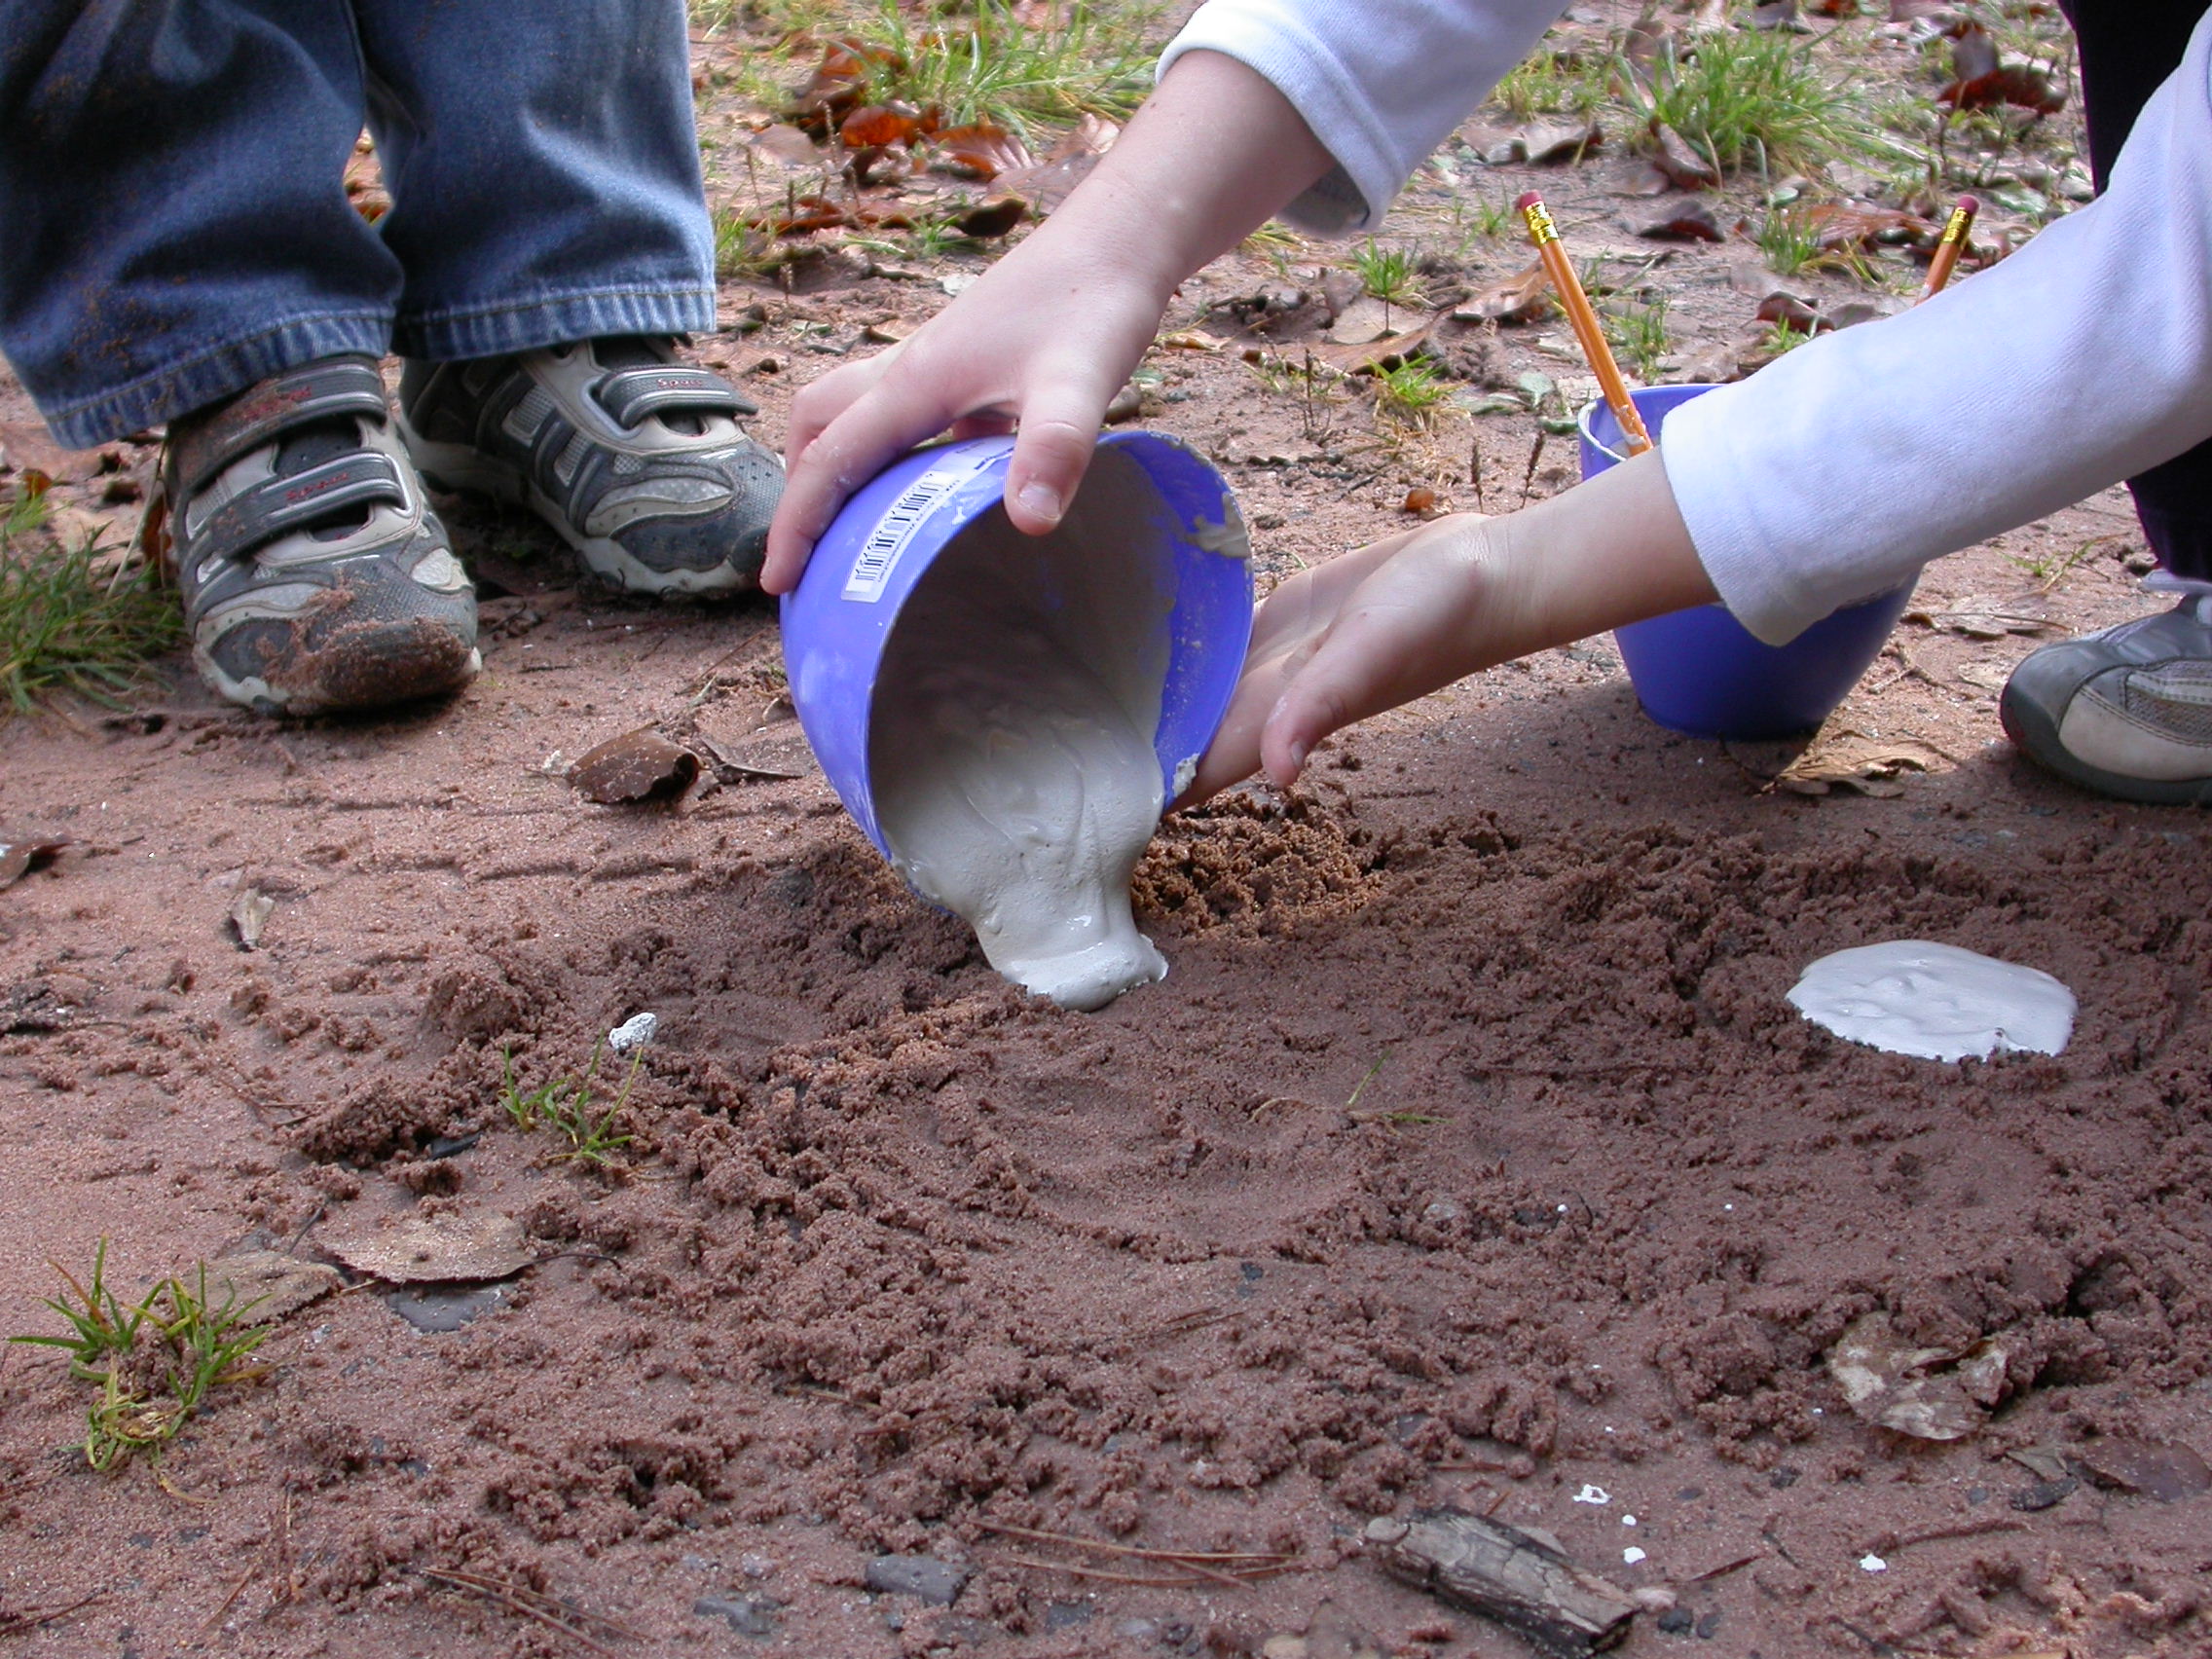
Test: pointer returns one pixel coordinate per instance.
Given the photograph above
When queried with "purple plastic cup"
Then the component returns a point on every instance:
(839, 619)
(1703, 673)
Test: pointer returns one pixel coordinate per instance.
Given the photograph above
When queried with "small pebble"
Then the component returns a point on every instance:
(633, 1033)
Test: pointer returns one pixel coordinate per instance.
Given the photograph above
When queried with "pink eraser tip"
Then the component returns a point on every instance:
(1968, 205)
(1529, 199)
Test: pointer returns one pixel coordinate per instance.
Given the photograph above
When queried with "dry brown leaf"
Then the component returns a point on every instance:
(1851, 759)
(1523, 297)
(1046, 184)
(437, 1249)
(1683, 219)
(878, 126)
(1929, 1393)
(1987, 616)
(983, 149)
(274, 1282)
(993, 219)
(1419, 500)
(788, 145)
(19, 854)
(779, 752)
(1685, 167)
(1853, 224)
(639, 766)
(28, 449)
(1547, 141)
(1988, 675)
(1373, 356)
(2164, 1470)
(1191, 340)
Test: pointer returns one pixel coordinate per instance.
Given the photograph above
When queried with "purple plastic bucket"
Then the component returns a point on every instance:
(1703, 673)
(838, 620)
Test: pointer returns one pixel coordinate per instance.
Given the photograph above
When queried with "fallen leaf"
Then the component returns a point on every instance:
(1987, 616)
(1720, 362)
(1777, 15)
(2165, 1471)
(1495, 146)
(2045, 1462)
(1851, 759)
(1973, 53)
(1683, 166)
(639, 766)
(19, 854)
(1046, 184)
(437, 1249)
(2016, 85)
(1685, 218)
(1126, 405)
(1990, 675)
(274, 1282)
(888, 333)
(778, 753)
(1523, 297)
(1561, 141)
(788, 145)
(1897, 1386)
(1798, 313)
(1191, 340)
(993, 219)
(983, 149)
(1372, 355)
(249, 915)
(878, 126)
(1421, 500)
(1365, 319)
(1852, 224)
(838, 82)
(28, 449)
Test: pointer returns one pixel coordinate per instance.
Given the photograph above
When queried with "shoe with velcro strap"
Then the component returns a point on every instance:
(636, 460)
(314, 575)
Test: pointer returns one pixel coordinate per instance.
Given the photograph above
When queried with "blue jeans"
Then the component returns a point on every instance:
(173, 225)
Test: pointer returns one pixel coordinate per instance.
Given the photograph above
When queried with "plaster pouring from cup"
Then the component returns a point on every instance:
(1703, 673)
(1005, 716)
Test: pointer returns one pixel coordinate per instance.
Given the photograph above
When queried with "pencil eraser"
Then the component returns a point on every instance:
(1529, 199)
(1968, 205)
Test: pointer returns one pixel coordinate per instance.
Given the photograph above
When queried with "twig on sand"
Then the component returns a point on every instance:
(30, 1618)
(1235, 1568)
(531, 1604)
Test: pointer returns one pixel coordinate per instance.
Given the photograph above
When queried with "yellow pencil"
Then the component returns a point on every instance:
(1584, 321)
(1950, 246)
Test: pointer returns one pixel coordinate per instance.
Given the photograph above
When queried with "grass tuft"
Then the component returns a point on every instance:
(1639, 334)
(1412, 393)
(154, 1362)
(1387, 273)
(564, 1105)
(1749, 98)
(1089, 61)
(66, 624)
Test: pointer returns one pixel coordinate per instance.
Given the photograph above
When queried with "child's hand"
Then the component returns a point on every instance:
(1335, 644)
(1044, 340)
(1400, 617)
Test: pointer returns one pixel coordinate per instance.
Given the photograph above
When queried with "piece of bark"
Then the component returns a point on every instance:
(1505, 1574)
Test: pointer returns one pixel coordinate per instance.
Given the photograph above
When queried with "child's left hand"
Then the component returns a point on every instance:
(1342, 640)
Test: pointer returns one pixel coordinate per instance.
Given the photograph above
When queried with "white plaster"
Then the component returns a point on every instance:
(1936, 1001)
(1011, 751)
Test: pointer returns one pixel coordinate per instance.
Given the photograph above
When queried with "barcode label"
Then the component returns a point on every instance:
(880, 554)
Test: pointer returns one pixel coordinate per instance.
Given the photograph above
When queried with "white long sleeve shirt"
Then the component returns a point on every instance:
(1838, 471)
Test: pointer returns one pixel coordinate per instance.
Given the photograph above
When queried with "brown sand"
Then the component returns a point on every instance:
(1469, 1154)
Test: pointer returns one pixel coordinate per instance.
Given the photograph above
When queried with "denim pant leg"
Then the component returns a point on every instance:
(2128, 47)
(173, 225)
(543, 167)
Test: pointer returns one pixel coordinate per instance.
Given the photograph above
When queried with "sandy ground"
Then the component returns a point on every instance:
(1468, 1155)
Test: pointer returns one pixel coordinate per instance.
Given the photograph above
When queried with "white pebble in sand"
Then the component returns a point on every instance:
(1936, 1002)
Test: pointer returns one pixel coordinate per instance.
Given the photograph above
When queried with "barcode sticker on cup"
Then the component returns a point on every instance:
(896, 531)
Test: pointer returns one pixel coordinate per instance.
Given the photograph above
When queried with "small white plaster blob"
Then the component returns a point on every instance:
(1592, 1494)
(1937, 1002)
(1010, 752)
(1872, 1563)
(633, 1033)
(1632, 1555)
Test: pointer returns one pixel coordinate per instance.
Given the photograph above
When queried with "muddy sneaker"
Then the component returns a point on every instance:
(2126, 711)
(314, 574)
(637, 459)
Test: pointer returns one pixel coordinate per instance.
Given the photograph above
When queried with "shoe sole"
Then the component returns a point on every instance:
(461, 466)
(2035, 735)
(400, 672)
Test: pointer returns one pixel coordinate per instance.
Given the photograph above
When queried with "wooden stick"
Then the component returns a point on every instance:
(1584, 320)
(1506, 1574)
(1949, 247)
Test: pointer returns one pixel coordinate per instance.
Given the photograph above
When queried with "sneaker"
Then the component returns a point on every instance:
(637, 459)
(2126, 711)
(313, 572)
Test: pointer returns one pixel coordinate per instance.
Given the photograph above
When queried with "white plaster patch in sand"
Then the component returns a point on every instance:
(1011, 753)
(1936, 1001)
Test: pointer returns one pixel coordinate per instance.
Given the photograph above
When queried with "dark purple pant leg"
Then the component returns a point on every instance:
(2128, 47)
